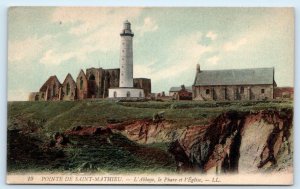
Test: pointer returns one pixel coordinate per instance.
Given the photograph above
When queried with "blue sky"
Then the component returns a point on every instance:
(168, 43)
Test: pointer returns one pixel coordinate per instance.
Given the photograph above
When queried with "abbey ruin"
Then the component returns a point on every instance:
(94, 83)
(99, 82)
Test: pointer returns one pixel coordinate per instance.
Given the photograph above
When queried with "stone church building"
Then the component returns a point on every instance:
(234, 84)
(94, 83)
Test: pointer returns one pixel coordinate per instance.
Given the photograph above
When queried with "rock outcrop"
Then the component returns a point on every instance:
(241, 142)
(148, 131)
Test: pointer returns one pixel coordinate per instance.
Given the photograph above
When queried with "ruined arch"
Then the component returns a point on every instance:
(92, 85)
(68, 89)
(92, 77)
(54, 90)
(81, 83)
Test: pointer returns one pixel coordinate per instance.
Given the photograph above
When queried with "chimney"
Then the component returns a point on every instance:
(198, 68)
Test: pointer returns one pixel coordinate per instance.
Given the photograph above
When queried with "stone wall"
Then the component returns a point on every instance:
(36, 96)
(68, 90)
(110, 79)
(94, 84)
(283, 92)
(143, 83)
(50, 89)
(233, 92)
(94, 76)
(82, 86)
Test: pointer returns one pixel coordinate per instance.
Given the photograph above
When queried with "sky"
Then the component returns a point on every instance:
(167, 45)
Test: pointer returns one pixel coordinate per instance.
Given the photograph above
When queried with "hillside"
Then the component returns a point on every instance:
(104, 135)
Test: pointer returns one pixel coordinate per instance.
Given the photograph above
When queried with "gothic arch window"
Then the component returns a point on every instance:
(115, 94)
(92, 77)
(92, 85)
(81, 83)
(68, 89)
(207, 91)
(128, 94)
(242, 90)
(53, 90)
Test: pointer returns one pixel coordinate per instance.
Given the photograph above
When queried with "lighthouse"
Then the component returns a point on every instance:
(126, 89)
(126, 56)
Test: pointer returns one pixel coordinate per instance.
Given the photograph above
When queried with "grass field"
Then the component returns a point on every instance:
(62, 115)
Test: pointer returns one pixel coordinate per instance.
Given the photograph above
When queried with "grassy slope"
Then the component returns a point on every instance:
(59, 116)
(99, 153)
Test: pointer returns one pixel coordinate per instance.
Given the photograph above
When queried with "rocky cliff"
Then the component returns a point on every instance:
(243, 142)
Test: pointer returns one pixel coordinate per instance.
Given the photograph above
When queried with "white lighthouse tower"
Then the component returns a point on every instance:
(126, 89)
(126, 56)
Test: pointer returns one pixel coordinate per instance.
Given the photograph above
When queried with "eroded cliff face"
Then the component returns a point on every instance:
(243, 142)
(237, 142)
(148, 131)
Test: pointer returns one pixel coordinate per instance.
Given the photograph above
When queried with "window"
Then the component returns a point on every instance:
(207, 91)
(128, 94)
(81, 83)
(242, 90)
(140, 95)
(53, 90)
(92, 77)
(68, 88)
(262, 91)
(115, 94)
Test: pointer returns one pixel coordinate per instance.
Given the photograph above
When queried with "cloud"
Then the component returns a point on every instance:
(213, 60)
(149, 25)
(88, 20)
(51, 57)
(184, 53)
(211, 35)
(27, 49)
(189, 47)
(144, 70)
(233, 46)
(92, 29)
